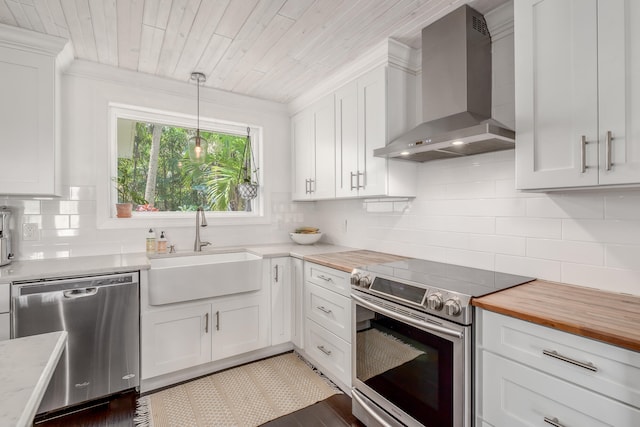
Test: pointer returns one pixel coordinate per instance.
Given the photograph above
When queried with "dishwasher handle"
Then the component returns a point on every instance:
(80, 293)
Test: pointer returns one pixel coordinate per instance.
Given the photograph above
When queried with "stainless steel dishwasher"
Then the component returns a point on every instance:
(101, 317)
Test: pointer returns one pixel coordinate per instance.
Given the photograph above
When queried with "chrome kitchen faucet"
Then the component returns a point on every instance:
(197, 245)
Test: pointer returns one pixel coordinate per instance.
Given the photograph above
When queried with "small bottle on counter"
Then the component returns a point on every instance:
(151, 241)
(162, 244)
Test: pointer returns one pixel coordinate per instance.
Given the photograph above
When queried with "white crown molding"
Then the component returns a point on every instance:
(31, 41)
(130, 78)
(500, 21)
(389, 52)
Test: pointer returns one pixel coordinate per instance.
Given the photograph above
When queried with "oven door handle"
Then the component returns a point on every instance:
(365, 406)
(407, 319)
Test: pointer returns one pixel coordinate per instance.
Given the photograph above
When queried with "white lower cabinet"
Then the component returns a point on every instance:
(327, 323)
(175, 339)
(188, 335)
(531, 375)
(280, 279)
(5, 323)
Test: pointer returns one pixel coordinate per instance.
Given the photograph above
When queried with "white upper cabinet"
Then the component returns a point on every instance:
(370, 111)
(577, 107)
(313, 133)
(29, 112)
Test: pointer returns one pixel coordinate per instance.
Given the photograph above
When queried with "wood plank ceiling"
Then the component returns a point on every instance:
(271, 49)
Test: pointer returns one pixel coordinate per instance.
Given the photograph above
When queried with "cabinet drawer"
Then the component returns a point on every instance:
(332, 354)
(4, 297)
(329, 278)
(521, 396)
(5, 332)
(329, 310)
(617, 371)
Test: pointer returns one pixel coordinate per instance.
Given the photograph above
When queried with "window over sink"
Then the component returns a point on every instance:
(150, 166)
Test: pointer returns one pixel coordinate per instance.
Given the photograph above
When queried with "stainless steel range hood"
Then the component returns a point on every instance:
(456, 94)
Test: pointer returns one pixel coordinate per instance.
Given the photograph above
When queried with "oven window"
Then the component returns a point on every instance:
(409, 367)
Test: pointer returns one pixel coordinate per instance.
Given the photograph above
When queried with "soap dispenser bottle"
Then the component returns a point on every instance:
(162, 244)
(151, 241)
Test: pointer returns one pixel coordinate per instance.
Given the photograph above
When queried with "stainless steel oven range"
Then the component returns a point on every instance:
(412, 341)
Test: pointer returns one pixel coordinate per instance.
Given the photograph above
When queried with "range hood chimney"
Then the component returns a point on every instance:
(456, 94)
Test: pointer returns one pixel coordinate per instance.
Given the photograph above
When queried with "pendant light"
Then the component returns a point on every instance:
(247, 188)
(197, 144)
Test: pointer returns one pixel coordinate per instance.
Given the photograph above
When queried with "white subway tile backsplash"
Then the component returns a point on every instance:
(484, 260)
(529, 227)
(509, 245)
(563, 250)
(617, 280)
(623, 256)
(624, 206)
(538, 268)
(565, 206)
(603, 231)
(478, 225)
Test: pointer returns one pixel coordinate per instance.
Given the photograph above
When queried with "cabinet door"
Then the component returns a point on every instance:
(324, 184)
(297, 326)
(515, 395)
(239, 325)
(619, 91)
(556, 93)
(347, 140)
(372, 132)
(175, 339)
(303, 154)
(280, 300)
(29, 154)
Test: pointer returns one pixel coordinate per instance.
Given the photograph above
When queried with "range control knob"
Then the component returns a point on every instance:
(452, 307)
(355, 278)
(364, 282)
(434, 301)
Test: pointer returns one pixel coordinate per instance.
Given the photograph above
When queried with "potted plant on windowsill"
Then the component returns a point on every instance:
(124, 204)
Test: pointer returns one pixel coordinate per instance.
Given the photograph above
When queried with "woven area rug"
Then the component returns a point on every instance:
(378, 352)
(248, 395)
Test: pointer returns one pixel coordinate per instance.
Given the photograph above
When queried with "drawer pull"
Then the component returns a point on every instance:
(553, 421)
(607, 150)
(325, 278)
(324, 350)
(324, 310)
(586, 365)
(583, 154)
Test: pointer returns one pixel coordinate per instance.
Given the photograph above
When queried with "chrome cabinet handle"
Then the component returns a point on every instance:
(607, 150)
(306, 186)
(206, 323)
(553, 421)
(217, 320)
(583, 153)
(586, 365)
(325, 278)
(276, 276)
(324, 350)
(363, 179)
(353, 187)
(324, 310)
(311, 186)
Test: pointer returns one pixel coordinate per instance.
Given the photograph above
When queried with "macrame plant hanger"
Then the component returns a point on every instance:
(247, 188)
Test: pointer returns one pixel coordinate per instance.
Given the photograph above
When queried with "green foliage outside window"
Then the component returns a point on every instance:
(181, 185)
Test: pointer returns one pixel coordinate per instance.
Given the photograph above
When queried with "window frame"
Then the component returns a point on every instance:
(107, 218)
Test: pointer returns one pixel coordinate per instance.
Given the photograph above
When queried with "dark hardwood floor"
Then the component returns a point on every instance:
(120, 411)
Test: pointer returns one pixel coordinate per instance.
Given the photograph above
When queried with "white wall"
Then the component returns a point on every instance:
(68, 226)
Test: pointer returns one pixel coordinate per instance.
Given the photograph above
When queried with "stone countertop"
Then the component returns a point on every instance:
(27, 366)
(606, 316)
(107, 264)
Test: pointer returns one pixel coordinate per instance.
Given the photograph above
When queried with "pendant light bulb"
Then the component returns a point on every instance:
(197, 144)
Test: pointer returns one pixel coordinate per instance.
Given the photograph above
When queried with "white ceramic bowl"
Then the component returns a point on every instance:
(305, 239)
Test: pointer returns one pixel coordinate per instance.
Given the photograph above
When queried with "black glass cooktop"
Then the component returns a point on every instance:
(469, 281)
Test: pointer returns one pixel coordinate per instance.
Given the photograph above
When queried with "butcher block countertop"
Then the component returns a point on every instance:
(606, 316)
(348, 260)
